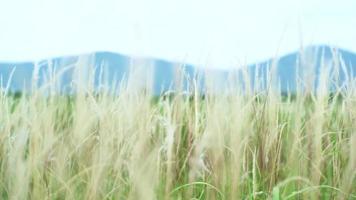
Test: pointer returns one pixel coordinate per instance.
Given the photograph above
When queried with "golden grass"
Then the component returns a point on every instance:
(133, 146)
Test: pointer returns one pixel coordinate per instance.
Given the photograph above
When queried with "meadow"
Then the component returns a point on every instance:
(259, 145)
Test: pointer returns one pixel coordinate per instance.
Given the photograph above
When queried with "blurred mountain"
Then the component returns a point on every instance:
(304, 68)
(110, 71)
(98, 71)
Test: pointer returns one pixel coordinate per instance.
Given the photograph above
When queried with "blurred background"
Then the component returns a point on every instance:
(210, 33)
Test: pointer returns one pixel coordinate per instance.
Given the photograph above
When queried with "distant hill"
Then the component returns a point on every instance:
(305, 67)
(102, 70)
(106, 70)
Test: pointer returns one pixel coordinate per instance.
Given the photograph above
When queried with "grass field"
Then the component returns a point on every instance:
(131, 146)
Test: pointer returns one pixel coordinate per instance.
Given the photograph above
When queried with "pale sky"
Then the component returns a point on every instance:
(213, 33)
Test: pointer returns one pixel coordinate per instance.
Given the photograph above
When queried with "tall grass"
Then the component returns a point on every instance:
(132, 146)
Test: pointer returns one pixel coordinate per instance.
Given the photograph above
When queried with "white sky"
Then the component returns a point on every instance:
(216, 33)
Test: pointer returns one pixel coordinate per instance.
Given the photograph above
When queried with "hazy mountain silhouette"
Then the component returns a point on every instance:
(102, 70)
(107, 70)
(305, 67)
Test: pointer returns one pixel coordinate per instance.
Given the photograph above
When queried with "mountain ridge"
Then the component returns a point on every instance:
(115, 67)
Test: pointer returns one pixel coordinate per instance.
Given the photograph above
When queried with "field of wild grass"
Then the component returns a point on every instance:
(238, 145)
(133, 146)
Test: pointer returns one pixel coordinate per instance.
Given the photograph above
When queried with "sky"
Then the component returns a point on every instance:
(211, 33)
